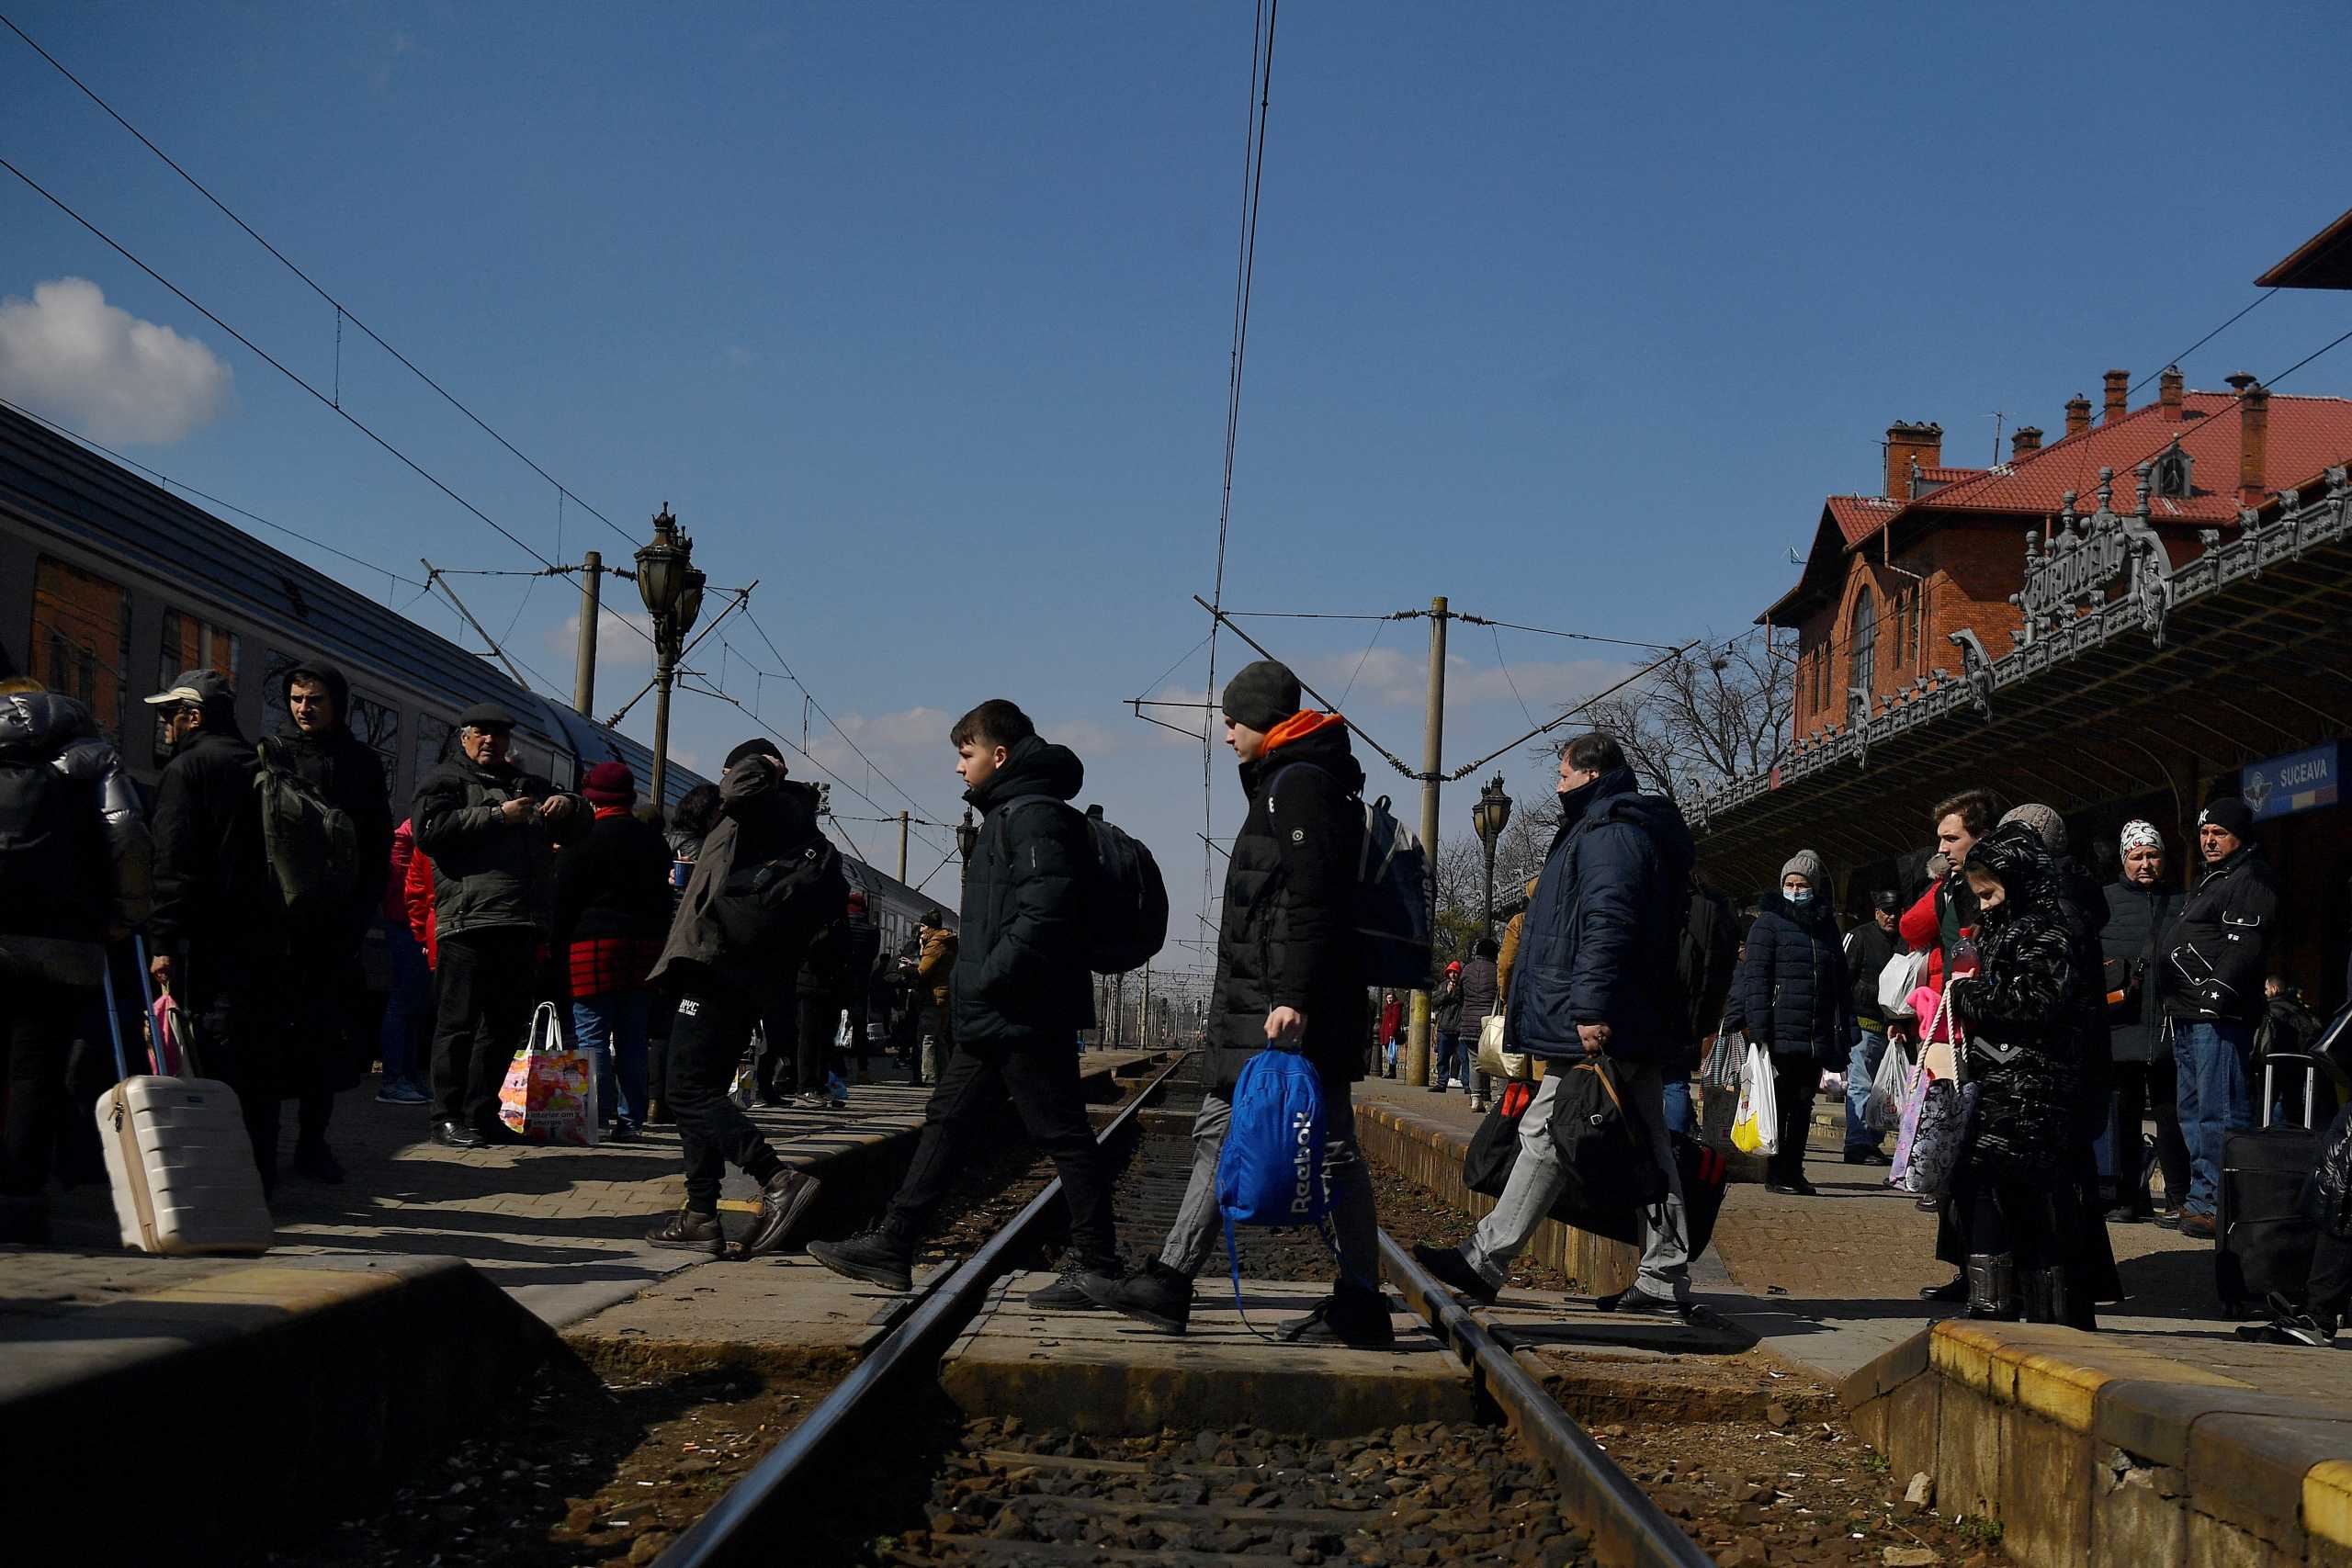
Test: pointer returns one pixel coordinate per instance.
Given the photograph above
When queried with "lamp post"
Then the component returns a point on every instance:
(1490, 817)
(672, 588)
(967, 839)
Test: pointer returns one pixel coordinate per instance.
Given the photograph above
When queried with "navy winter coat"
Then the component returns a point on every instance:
(1599, 946)
(1793, 995)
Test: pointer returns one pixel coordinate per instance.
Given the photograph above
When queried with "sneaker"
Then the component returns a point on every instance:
(1792, 1187)
(399, 1093)
(783, 1201)
(1068, 1292)
(1158, 1297)
(1478, 1103)
(2197, 1225)
(1640, 1303)
(1449, 1268)
(690, 1230)
(2296, 1329)
(2124, 1214)
(811, 1099)
(1351, 1316)
(873, 1256)
(315, 1160)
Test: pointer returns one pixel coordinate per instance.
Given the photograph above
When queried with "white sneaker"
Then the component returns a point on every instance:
(1478, 1103)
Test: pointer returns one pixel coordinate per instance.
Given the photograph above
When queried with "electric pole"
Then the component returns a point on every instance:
(1432, 764)
(584, 674)
(1143, 1013)
(902, 846)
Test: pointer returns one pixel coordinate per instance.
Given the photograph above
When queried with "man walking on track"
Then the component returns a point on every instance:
(1595, 981)
(727, 977)
(1287, 978)
(1021, 993)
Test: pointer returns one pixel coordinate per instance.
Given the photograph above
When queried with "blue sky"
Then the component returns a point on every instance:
(919, 314)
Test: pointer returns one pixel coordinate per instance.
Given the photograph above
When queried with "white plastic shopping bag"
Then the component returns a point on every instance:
(1756, 1125)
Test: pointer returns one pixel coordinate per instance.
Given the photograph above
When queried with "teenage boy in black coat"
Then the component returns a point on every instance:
(1288, 979)
(1020, 994)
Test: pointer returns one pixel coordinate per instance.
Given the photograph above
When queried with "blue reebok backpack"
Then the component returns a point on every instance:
(1270, 1170)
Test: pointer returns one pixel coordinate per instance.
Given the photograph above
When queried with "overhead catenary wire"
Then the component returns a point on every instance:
(342, 311)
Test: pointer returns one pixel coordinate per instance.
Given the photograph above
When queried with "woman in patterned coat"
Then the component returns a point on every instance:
(2024, 1058)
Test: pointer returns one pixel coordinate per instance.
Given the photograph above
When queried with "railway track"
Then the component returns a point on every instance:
(1210, 1498)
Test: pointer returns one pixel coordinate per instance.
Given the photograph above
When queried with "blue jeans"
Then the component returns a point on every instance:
(613, 1025)
(408, 1010)
(1861, 1064)
(2210, 1059)
(1448, 1054)
(1679, 1118)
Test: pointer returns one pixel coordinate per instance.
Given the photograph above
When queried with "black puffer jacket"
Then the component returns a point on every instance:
(489, 873)
(1601, 930)
(213, 886)
(2021, 1010)
(1285, 937)
(613, 881)
(350, 775)
(1478, 993)
(763, 815)
(1020, 978)
(1868, 953)
(2219, 950)
(2137, 920)
(77, 868)
(2084, 904)
(1793, 995)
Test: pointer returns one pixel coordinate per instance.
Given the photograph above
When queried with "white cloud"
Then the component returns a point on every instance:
(67, 354)
(1394, 678)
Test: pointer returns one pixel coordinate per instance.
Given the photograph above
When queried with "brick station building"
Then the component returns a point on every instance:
(2151, 610)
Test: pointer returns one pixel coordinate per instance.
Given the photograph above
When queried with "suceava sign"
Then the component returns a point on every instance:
(2300, 781)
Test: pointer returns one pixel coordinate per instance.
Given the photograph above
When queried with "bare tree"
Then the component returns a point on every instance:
(1701, 720)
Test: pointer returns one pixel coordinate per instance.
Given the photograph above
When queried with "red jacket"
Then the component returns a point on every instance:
(416, 888)
(396, 885)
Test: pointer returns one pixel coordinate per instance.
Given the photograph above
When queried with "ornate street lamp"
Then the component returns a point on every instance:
(672, 588)
(967, 838)
(1490, 816)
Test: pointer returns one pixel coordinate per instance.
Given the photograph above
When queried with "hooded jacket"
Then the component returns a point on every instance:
(1287, 938)
(1480, 987)
(1507, 960)
(1599, 943)
(762, 815)
(935, 969)
(2218, 953)
(1021, 978)
(2021, 1010)
(490, 873)
(350, 774)
(612, 902)
(1792, 992)
(89, 886)
(213, 885)
(2137, 920)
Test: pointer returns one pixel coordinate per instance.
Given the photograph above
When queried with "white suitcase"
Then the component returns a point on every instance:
(179, 1160)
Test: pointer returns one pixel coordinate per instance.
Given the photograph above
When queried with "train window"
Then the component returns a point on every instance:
(189, 642)
(274, 719)
(81, 641)
(377, 724)
(432, 738)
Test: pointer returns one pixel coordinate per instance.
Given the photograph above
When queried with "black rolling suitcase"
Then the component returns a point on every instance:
(2263, 1234)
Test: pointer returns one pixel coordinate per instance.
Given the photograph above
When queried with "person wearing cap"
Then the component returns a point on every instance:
(1793, 995)
(1445, 1027)
(726, 979)
(2215, 958)
(1871, 946)
(612, 910)
(491, 831)
(1289, 977)
(218, 936)
(934, 1028)
(328, 982)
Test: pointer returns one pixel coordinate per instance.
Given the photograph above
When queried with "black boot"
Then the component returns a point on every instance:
(314, 1159)
(1449, 1268)
(876, 1256)
(1351, 1315)
(1954, 1291)
(690, 1230)
(1992, 1285)
(1076, 1288)
(2042, 1295)
(784, 1199)
(1159, 1296)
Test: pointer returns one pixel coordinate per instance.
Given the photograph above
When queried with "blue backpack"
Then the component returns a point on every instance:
(1270, 1170)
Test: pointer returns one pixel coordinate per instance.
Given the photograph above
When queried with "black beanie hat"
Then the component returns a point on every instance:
(758, 747)
(1261, 695)
(2229, 814)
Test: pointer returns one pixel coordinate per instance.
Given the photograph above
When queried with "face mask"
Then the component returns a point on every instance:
(1801, 897)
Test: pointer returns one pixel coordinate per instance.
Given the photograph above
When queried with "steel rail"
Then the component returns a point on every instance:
(761, 1512)
(1627, 1529)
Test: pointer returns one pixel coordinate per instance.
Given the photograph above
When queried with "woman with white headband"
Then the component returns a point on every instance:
(2142, 904)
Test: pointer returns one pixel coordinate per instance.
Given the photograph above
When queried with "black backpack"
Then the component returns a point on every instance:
(1126, 902)
(313, 846)
(53, 858)
(772, 909)
(1392, 900)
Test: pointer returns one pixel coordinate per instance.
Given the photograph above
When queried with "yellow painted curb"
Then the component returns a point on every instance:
(295, 1289)
(2017, 1364)
(2327, 1501)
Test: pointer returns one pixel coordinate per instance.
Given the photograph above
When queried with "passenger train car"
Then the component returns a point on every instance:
(110, 585)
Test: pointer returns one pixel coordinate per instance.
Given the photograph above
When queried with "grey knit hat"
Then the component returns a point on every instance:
(1262, 694)
(2047, 825)
(1809, 865)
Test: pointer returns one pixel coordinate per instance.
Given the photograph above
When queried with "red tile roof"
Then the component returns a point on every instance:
(1946, 476)
(2306, 434)
(1860, 516)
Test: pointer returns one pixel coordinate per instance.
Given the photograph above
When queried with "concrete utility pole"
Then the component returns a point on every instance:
(1143, 1013)
(902, 846)
(584, 674)
(1432, 764)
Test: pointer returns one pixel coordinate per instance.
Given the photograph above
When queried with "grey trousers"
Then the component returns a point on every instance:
(1536, 1182)
(1355, 1229)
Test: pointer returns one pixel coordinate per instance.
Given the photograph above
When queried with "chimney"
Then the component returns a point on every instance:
(2168, 392)
(2117, 383)
(2027, 438)
(1907, 445)
(2254, 438)
(2078, 415)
